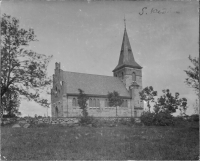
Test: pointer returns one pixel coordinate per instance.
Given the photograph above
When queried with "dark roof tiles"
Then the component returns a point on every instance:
(93, 84)
(126, 58)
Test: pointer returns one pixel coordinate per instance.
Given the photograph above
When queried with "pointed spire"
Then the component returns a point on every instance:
(126, 58)
(124, 22)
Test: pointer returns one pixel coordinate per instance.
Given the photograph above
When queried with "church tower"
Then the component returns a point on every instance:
(128, 70)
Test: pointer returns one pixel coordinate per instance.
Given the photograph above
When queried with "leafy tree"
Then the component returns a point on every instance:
(169, 103)
(82, 102)
(10, 103)
(148, 94)
(114, 99)
(193, 74)
(22, 70)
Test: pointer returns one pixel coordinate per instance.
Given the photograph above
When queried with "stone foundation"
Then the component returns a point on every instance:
(58, 120)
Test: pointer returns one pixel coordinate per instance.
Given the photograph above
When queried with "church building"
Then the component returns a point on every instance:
(126, 80)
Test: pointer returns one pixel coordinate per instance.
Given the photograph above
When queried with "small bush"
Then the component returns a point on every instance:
(163, 119)
(194, 117)
(132, 121)
(157, 119)
(98, 123)
(147, 118)
(123, 121)
(179, 118)
(182, 121)
(10, 116)
(86, 120)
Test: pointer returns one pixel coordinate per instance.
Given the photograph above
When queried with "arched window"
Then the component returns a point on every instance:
(95, 103)
(77, 102)
(133, 76)
(126, 104)
(74, 102)
(56, 112)
(90, 102)
(122, 105)
(135, 113)
(106, 104)
(98, 103)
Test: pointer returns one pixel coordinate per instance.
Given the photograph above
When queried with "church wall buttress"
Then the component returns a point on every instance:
(139, 82)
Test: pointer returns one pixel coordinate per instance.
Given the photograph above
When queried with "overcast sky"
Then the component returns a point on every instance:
(86, 37)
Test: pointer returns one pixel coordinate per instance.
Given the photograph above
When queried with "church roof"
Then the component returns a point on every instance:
(97, 85)
(126, 58)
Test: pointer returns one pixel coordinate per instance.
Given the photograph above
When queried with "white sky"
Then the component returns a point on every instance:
(86, 37)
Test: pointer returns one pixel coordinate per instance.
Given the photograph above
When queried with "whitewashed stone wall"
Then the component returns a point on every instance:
(102, 111)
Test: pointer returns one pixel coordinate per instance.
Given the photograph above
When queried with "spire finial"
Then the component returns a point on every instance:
(124, 22)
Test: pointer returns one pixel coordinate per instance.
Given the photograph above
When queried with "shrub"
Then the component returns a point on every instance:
(194, 117)
(132, 120)
(86, 120)
(163, 119)
(99, 123)
(180, 121)
(157, 119)
(10, 116)
(122, 121)
(147, 118)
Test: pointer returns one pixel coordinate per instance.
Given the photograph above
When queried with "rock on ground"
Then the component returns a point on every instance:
(26, 126)
(16, 125)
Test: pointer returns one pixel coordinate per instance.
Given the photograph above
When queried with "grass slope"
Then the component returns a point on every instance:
(116, 143)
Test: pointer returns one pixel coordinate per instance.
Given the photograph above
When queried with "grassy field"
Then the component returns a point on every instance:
(56, 142)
